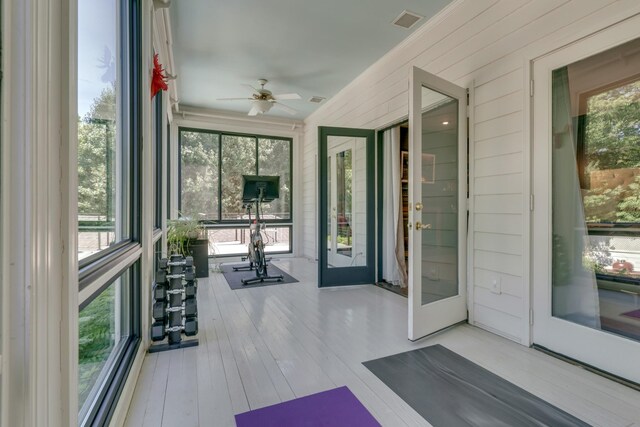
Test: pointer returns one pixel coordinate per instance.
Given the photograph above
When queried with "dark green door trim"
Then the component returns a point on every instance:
(340, 276)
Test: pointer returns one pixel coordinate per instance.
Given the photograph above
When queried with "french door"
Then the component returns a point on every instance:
(346, 216)
(586, 222)
(437, 204)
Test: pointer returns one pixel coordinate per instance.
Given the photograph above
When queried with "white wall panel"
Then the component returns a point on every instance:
(505, 144)
(488, 44)
(500, 184)
(498, 223)
(498, 322)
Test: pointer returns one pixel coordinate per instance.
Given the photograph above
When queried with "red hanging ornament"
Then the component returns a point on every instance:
(158, 79)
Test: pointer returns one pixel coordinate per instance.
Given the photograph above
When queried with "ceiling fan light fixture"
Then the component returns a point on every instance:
(262, 106)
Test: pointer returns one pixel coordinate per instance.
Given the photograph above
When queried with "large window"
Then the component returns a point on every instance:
(108, 202)
(596, 191)
(211, 167)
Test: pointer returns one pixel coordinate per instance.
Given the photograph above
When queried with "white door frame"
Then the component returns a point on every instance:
(605, 351)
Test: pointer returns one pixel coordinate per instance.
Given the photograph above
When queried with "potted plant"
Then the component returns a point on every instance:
(186, 236)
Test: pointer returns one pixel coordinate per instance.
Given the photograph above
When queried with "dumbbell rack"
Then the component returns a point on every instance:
(175, 309)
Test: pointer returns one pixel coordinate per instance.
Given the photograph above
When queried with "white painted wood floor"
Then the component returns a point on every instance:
(266, 345)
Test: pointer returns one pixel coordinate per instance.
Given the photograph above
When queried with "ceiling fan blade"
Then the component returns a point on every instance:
(287, 96)
(250, 87)
(286, 108)
(254, 111)
(234, 99)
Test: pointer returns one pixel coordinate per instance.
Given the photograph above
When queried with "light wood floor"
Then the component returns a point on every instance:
(266, 345)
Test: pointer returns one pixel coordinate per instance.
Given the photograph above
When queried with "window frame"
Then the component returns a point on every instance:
(226, 222)
(99, 270)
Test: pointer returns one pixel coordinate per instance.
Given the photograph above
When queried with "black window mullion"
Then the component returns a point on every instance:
(219, 177)
(291, 191)
(135, 75)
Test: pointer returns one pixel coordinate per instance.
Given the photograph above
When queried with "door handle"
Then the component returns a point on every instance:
(421, 226)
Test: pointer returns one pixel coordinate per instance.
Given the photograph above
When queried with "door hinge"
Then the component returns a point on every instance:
(530, 316)
(531, 87)
(467, 205)
(531, 202)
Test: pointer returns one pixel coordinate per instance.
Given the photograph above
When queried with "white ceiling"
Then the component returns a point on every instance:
(312, 47)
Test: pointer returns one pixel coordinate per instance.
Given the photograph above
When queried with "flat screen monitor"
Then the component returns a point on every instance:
(252, 184)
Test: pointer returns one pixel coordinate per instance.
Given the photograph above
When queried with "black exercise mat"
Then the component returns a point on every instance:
(234, 278)
(449, 391)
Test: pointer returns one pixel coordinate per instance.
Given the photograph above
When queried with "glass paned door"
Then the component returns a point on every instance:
(346, 206)
(587, 176)
(340, 197)
(437, 204)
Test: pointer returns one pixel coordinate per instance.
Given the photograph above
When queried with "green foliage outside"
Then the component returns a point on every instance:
(96, 338)
(96, 149)
(200, 169)
(238, 158)
(612, 141)
(199, 173)
(274, 157)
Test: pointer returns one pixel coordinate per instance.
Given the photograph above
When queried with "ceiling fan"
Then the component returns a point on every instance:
(262, 100)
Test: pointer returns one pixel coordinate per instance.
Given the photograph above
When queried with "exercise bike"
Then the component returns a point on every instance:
(258, 189)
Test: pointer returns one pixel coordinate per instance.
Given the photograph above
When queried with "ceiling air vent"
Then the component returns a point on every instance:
(316, 99)
(407, 19)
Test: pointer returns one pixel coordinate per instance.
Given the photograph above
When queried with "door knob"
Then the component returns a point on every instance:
(421, 226)
(418, 206)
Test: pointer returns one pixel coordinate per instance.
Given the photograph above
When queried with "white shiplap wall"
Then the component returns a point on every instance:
(485, 45)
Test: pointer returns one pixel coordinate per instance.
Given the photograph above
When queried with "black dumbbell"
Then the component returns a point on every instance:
(163, 263)
(190, 290)
(159, 310)
(191, 326)
(177, 260)
(190, 307)
(157, 331)
(189, 275)
(161, 276)
(159, 292)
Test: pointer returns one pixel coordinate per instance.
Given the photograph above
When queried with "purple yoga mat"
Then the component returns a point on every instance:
(332, 408)
(634, 313)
